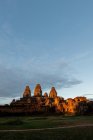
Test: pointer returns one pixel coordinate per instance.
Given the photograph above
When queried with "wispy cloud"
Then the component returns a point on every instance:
(81, 56)
(14, 80)
(24, 63)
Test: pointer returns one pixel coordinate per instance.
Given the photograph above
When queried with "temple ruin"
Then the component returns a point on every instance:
(46, 103)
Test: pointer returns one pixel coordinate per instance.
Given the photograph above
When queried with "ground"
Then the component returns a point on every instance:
(83, 128)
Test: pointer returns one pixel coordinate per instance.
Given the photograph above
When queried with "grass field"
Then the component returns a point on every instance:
(84, 133)
(61, 134)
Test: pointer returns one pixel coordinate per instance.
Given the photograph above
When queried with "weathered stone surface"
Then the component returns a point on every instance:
(79, 99)
(45, 94)
(57, 100)
(27, 92)
(60, 108)
(38, 90)
(48, 104)
(53, 93)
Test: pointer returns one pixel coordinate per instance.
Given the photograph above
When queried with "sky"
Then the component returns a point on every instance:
(48, 42)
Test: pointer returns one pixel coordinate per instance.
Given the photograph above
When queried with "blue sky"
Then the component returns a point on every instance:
(48, 42)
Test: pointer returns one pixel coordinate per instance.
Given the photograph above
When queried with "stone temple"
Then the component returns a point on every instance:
(38, 91)
(53, 93)
(27, 92)
(39, 103)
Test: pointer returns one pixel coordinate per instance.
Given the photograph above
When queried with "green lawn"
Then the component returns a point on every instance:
(42, 122)
(84, 133)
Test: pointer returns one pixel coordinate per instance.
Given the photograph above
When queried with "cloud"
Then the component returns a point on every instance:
(10, 82)
(28, 63)
(81, 56)
(13, 81)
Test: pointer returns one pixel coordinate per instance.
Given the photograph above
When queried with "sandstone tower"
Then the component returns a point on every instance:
(38, 90)
(27, 92)
(53, 93)
(45, 94)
